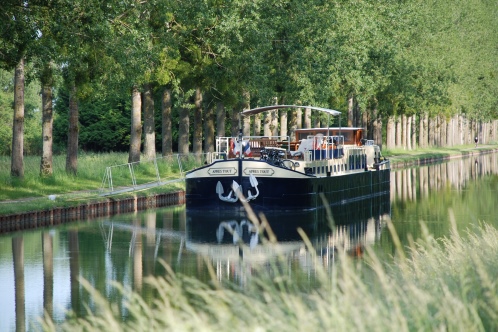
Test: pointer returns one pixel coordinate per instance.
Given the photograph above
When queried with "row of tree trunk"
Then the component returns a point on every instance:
(406, 132)
(401, 132)
(410, 132)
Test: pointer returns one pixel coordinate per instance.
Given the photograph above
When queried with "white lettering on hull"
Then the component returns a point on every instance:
(222, 171)
(259, 171)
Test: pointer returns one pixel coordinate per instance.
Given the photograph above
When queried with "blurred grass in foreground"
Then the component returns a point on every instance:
(447, 284)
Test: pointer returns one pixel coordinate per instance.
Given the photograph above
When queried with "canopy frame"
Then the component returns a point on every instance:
(258, 110)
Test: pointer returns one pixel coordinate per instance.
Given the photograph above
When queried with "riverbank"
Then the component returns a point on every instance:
(41, 211)
(404, 158)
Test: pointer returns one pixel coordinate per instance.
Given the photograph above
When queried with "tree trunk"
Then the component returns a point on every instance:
(72, 137)
(257, 125)
(421, 131)
(350, 110)
(197, 134)
(293, 124)
(220, 119)
(283, 123)
(414, 132)
(357, 115)
(390, 133)
(317, 123)
(17, 159)
(266, 124)
(183, 131)
(408, 132)
(274, 119)
(426, 130)
(149, 123)
(209, 129)
(364, 124)
(246, 105)
(377, 126)
(167, 140)
(437, 120)
(299, 118)
(442, 130)
(398, 132)
(449, 132)
(235, 123)
(431, 132)
(46, 163)
(136, 126)
(307, 118)
(403, 131)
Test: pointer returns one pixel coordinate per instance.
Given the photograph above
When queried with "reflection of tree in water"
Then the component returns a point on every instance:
(410, 183)
(466, 186)
(18, 257)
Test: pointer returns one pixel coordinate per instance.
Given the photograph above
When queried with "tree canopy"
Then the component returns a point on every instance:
(410, 57)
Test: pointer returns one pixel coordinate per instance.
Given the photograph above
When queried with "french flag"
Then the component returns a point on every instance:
(246, 149)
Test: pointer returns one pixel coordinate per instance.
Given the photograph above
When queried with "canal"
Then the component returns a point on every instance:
(39, 269)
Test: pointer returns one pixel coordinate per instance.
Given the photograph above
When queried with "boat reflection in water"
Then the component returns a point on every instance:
(230, 239)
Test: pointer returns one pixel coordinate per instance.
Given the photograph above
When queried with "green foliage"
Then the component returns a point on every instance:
(405, 57)
(104, 123)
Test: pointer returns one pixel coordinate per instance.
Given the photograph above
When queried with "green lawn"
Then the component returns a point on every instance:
(31, 193)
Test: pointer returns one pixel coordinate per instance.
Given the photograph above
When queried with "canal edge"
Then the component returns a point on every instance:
(431, 160)
(90, 210)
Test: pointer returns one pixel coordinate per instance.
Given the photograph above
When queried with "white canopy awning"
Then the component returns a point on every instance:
(273, 107)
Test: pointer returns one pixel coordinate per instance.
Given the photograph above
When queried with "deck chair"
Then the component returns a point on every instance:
(306, 144)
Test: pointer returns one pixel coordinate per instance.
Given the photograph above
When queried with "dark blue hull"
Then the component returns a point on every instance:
(288, 193)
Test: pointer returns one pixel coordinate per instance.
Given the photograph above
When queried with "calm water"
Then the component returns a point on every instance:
(39, 269)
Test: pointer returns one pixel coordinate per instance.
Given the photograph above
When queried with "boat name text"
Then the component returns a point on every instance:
(259, 171)
(222, 171)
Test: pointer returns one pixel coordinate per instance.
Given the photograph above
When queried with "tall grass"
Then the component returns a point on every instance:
(445, 285)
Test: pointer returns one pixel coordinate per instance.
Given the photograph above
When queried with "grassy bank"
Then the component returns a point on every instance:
(31, 193)
(407, 156)
(444, 285)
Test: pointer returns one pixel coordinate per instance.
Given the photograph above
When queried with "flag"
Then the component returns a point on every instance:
(236, 150)
(246, 149)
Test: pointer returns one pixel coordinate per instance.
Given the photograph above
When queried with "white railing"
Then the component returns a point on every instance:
(150, 173)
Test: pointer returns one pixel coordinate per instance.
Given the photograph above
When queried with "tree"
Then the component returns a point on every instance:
(167, 144)
(136, 126)
(46, 167)
(149, 126)
(197, 134)
(73, 130)
(17, 33)
(17, 160)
